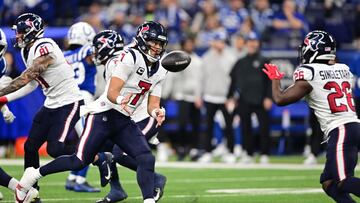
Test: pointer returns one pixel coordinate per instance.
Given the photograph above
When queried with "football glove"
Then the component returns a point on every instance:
(272, 71)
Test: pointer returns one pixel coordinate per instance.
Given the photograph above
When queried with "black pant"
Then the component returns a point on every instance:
(229, 133)
(316, 135)
(188, 114)
(245, 110)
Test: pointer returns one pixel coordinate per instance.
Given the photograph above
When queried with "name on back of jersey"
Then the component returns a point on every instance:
(334, 74)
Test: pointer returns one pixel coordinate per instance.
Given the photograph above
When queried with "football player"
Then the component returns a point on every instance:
(326, 85)
(141, 117)
(4, 80)
(79, 56)
(5, 179)
(134, 75)
(45, 66)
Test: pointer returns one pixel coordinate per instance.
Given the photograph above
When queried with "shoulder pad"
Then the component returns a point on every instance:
(43, 47)
(304, 72)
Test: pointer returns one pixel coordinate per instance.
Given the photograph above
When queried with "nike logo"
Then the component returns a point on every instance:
(109, 172)
(157, 194)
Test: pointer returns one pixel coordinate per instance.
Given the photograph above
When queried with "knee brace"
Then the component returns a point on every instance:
(146, 161)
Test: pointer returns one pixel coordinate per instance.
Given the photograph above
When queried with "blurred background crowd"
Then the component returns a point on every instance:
(220, 106)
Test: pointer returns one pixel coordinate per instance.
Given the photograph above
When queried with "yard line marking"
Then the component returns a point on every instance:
(195, 165)
(267, 191)
(213, 193)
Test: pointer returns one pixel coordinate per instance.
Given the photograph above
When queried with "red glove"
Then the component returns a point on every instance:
(3, 101)
(273, 72)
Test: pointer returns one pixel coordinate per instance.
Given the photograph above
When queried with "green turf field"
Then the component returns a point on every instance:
(192, 183)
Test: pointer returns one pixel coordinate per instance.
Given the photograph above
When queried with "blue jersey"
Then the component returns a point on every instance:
(84, 72)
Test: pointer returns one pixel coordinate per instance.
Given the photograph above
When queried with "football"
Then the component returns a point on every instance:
(176, 61)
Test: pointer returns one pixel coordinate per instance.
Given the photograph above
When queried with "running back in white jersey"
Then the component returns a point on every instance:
(140, 81)
(331, 97)
(57, 81)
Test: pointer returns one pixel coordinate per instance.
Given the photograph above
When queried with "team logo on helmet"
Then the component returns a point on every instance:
(107, 41)
(144, 28)
(315, 41)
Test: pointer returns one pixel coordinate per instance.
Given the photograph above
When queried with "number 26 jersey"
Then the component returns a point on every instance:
(331, 97)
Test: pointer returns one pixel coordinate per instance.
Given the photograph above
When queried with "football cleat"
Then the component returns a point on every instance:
(26, 197)
(160, 182)
(1, 196)
(104, 163)
(70, 184)
(115, 195)
(85, 187)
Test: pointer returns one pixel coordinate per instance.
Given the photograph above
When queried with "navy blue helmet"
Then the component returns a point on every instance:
(106, 44)
(31, 26)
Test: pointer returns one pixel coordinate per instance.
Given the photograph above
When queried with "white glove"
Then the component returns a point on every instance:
(8, 115)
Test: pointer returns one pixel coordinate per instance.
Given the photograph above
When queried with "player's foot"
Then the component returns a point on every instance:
(115, 195)
(37, 200)
(70, 184)
(1, 196)
(310, 160)
(29, 178)
(104, 163)
(264, 159)
(160, 182)
(85, 187)
(25, 197)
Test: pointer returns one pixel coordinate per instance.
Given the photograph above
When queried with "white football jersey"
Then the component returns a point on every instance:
(331, 97)
(140, 81)
(57, 82)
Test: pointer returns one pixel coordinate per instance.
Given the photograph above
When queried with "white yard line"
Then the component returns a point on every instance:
(195, 165)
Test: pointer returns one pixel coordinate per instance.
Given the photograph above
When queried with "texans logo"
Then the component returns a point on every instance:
(33, 24)
(145, 28)
(314, 41)
(107, 41)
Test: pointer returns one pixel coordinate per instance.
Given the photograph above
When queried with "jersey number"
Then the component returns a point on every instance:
(145, 86)
(44, 50)
(340, 91)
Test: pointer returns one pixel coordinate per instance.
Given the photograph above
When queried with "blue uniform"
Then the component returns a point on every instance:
(84, 72)
(2, 66)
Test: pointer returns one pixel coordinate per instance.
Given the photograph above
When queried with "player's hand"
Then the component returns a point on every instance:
(8, 116)
(159, 115)
(272, 71)
(124, 102)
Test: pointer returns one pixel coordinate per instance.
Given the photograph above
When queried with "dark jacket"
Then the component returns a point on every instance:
(249, 81)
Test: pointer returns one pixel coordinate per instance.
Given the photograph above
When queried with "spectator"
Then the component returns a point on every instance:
(174, 18)
(186, 90)
(215, 82)
(233, 16)
(212, 26)
(262, 14)
(96, 16)
(254, 90)
(150, 9)
(238, 44)
(289, 26)
(208, 8)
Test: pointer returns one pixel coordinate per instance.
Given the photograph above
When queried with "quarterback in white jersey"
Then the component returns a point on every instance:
(326, 86)
(46, 66)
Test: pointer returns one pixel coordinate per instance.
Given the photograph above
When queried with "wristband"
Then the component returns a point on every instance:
(119, 99)
(3, 100)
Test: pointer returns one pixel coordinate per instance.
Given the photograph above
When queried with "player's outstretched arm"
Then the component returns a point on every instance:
(291, 94)
(40, 65)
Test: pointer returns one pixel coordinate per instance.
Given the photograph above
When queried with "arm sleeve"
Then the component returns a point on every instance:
(31, 86)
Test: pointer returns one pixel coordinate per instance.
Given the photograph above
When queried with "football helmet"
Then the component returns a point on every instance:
(3, 43)
(151, 32)
(80, 33)
(106, 44)
(28, 28)
(317, 47)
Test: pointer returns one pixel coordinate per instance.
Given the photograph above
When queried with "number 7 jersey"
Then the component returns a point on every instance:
(331, 97)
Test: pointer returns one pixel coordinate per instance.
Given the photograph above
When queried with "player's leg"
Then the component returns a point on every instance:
(7, 181)
(93, 137)
(346, 158)
(264, 124)
(246, 131)
(335, 165)
(132, 141)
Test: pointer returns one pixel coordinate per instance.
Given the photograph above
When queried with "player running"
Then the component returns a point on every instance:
(109, 117)
(326, 86)
(79, 56)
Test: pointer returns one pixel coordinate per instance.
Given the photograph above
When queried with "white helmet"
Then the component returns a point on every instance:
(80, 33)
(3, 43)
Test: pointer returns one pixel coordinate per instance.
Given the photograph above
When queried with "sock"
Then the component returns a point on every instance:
(149, 200)
(83, 171)
(80, 180)
(71, 177)
(12, 184)
(351, 185)
(333, 191)
(4, 178)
